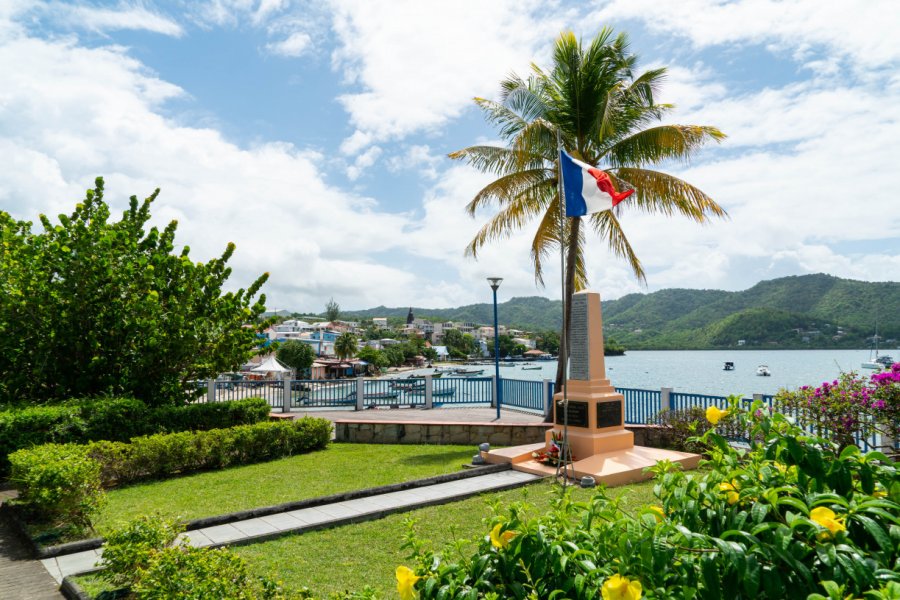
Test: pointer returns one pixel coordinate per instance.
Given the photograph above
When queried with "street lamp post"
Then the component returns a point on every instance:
(495, 283)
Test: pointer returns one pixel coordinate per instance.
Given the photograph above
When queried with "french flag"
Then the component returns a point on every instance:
(587, 189)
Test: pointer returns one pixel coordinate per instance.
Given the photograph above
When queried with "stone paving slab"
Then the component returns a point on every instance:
(21, 577)
(339, 513)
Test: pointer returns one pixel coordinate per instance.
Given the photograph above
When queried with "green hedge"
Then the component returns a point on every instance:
(116, 419)
(57, 482)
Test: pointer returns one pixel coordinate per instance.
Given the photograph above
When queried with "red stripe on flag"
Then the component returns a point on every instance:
(605, 184)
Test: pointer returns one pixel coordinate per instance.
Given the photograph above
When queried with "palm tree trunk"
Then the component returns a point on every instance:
(571, 254)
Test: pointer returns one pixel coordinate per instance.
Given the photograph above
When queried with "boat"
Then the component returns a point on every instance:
(763, 371)
(374, 395)
(417, 384)
(878, 361)
(875, 361)
(449, 391)
(729, 366)
(468, 372)
(434, 375)
(532, 367)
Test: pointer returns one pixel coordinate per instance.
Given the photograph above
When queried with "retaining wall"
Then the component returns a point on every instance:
(510, 434)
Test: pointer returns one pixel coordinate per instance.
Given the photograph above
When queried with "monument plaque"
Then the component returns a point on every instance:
(579, 341)
(578, 414)
(609, 414)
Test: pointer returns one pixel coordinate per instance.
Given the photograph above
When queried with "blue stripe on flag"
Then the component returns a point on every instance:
(573, 183)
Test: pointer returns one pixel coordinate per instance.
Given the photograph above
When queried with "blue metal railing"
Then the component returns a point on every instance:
(640, 405)
(272, 391)
(463, 390)
(682, 400)
(307, 393)
(518, 393)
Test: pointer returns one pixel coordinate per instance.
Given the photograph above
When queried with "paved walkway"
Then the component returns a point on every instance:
(22, 578)
(319, 517)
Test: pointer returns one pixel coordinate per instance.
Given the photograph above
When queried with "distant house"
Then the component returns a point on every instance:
(380, 322)
(442, 352)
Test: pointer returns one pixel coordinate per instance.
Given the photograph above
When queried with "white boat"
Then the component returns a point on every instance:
(532, 367)
(875, 361)
(763, 371)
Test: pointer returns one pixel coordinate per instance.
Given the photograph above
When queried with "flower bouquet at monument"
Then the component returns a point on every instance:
(550, 456)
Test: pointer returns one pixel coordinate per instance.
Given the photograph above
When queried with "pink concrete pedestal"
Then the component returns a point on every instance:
(590, 413)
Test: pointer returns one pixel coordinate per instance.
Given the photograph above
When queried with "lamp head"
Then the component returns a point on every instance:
(495, 282)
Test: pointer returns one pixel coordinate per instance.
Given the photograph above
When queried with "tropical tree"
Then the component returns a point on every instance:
(297, 355)
(346, 345)
(604, 114)
(332, 310)
(94, 306)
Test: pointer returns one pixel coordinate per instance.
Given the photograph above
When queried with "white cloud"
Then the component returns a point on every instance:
(295, 45)
(417, 157)
(363, 162)
(419, 64)
(862, 32)
(127, 16)
(58, 130)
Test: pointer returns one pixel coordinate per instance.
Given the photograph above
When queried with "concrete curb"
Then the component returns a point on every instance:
(41, 552)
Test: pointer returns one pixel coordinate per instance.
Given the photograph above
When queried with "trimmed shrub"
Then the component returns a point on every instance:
(199, 574)
(142, 557)
(794, 516)
(116, 419)
(58, 483)
(128, 550)
(163, 455)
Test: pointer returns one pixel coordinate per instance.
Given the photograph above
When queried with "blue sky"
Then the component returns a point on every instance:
(314, 135)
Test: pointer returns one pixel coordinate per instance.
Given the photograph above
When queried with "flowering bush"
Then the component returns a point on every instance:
(794, 516)
(849, 407)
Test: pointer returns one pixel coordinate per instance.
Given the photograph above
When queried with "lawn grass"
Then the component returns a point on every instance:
(354, 556)
(339, 468)
(351, 557)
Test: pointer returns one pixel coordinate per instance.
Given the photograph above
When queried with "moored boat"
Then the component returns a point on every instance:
(763, 371)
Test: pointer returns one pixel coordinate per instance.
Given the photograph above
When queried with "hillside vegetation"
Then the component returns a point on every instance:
(808, 311)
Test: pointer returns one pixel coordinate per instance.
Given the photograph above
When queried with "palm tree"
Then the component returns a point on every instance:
(602, 113)
(346, 346)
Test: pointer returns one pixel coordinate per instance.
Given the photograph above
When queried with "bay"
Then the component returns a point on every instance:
(701, 371)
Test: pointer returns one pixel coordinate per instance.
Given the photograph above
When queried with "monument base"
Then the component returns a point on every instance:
(589, 443)
(612, 468)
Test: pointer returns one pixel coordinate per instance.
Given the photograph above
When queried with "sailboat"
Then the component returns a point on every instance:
(875, 361)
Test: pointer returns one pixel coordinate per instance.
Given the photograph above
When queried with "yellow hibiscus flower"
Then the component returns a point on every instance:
(714, 414)
(730, 491)
(658, 512)
(827, 519)
(620, 588)
(406, 580)
(501, 540)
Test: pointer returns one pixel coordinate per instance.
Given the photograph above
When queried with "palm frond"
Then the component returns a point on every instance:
(607, 226)
(665, 142)
(510, 189)
(497, 160)
(513, 215)
(546, 238)
(657, 192)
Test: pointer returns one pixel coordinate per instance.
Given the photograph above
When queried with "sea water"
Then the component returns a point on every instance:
(702, 371)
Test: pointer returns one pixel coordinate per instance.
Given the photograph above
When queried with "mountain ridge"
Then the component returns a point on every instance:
(800, 311)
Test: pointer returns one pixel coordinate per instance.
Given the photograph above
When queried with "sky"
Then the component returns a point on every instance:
(315, 135)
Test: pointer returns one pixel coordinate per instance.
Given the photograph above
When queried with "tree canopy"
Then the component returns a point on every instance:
(346, 345)
(93, 306)
(604, 113)
(297, 355)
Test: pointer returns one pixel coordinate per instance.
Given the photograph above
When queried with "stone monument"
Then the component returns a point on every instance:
(596, 411)
(591, 414)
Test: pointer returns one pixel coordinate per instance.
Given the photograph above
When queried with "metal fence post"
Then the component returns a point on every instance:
(360, 393)
(429, 392)
(758, 397)
(286, 396)
(547, 400)
(665, 398)
(493, 391)
(210, 390)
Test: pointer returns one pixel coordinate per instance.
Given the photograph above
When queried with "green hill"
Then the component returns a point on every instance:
(808, 311)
